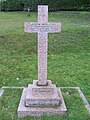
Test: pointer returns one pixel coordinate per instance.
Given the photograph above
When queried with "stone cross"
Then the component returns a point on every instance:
(42, 27)
(28, 10)
(42, 97)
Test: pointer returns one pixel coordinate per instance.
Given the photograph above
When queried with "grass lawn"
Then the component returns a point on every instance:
(68, 61)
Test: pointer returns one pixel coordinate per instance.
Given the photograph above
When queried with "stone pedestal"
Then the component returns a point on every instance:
(45, 96)
(41, 100)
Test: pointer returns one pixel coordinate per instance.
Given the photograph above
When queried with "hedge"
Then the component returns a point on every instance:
(11, 5)
(54, 5)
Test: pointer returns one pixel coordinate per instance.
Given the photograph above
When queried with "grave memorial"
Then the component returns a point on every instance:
(42, 97)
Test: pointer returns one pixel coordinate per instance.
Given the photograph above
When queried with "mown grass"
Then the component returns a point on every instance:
(9, 104)
(68, 60)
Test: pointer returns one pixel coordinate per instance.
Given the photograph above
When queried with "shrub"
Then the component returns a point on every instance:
(54, 5)
(12, 5)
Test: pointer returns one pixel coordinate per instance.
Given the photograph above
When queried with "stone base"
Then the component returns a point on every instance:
(42, 96)
(23, 110)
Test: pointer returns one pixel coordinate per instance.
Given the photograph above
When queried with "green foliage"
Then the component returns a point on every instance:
(54, 5)
(11, 5)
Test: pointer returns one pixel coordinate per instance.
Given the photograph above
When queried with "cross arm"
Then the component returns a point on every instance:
(31, 27)
(54, 27)
(46, 28)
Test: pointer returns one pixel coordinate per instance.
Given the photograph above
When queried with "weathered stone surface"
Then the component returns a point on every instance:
(38, 111)
(42, 14)
(42, 27)
(42, 90)
(42, 97)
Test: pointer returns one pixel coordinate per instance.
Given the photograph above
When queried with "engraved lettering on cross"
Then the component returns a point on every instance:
(42, 27)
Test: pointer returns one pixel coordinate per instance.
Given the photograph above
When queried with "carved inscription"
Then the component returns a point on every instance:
(44, 28)
(46, 92)
(40, 102)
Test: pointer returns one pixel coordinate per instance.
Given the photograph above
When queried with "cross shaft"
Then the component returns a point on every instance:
(42, 28)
